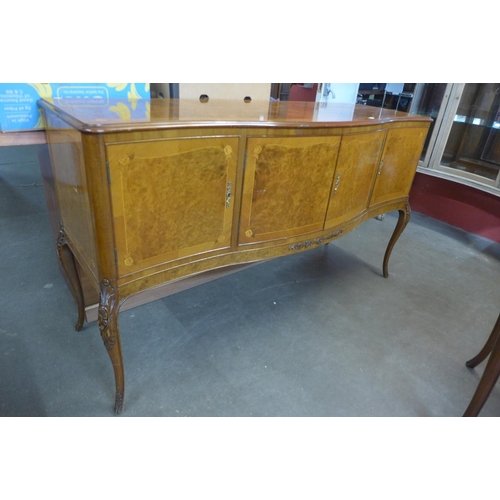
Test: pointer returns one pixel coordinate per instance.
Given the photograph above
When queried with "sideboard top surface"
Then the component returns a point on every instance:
(114, 115)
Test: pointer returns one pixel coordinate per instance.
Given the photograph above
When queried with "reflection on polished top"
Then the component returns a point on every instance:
(107, 115)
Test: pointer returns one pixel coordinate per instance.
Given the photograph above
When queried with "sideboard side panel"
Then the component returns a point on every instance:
(66, 152)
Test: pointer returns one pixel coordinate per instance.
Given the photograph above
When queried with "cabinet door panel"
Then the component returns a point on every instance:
(287, 186)
(356, 169)
(170, 198)
(399, 162)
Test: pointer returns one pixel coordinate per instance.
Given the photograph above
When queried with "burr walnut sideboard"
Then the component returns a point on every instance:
(151, 192)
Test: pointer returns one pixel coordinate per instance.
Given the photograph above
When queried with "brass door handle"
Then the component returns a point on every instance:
(380, 168)
(337, 182)
(228, 194)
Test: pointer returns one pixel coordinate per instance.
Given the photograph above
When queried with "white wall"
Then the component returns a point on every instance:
(339, 92)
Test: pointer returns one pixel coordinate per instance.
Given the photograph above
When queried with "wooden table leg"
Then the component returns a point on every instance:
(404, 218)
(487, 348)
(491, 372)
(67, 261)
(108, 325)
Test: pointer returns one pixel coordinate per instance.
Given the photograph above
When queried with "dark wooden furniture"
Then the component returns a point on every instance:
(144, 199)
(490, 374)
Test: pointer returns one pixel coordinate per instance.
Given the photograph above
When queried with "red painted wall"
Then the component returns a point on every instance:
(459, 205)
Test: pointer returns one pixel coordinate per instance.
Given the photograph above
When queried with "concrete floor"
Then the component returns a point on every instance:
(320, 333)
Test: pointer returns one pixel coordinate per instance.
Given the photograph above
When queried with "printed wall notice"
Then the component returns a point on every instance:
(18, 101)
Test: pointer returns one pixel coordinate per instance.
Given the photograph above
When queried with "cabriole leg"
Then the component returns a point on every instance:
(404, 218)
(491, 372)
(108, 325)
(67, 260)
(487, 348)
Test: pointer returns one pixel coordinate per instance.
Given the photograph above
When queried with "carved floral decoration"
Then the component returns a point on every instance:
(106, 313)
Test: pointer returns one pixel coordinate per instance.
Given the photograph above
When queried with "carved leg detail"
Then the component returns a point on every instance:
(491, 372)
(67, 260)
(108, 325)
(404, 218)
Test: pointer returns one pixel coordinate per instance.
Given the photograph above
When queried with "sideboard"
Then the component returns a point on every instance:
(152, 192)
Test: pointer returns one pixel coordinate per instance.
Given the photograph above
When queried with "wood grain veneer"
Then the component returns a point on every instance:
(186, 191)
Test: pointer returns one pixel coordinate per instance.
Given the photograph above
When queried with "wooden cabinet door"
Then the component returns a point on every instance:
(286, 186)
(357, 165)
(171, 198)
(402, 150)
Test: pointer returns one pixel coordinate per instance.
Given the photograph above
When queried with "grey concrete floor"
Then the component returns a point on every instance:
(320, 333)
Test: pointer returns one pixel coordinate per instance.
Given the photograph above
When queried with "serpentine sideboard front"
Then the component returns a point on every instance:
(151, 192)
